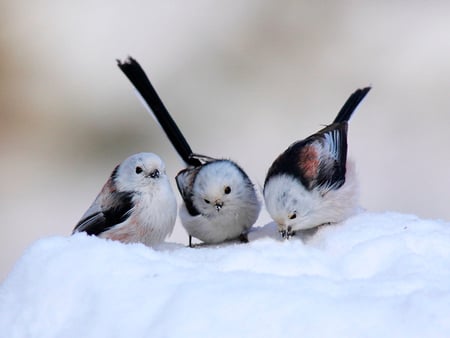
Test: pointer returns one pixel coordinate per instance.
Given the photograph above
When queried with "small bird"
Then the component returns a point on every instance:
(220, 201)
(311, 183)
(136, 204)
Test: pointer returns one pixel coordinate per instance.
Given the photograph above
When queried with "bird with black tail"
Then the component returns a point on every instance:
(311, 183)
(220, 201)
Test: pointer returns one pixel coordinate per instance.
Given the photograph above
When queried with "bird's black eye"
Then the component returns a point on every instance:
(206, 201)
(138, 170)
(227, 190)
(293, 216)
(154, 174)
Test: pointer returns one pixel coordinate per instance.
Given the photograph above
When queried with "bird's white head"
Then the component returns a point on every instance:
(222, 187)
(290, 204)
(139, 172)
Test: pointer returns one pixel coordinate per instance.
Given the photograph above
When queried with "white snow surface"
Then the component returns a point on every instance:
(374, 275)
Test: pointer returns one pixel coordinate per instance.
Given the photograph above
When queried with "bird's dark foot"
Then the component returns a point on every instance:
(243, 238)
(287, 233)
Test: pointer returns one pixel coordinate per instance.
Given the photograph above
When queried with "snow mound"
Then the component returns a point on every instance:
(375, 275)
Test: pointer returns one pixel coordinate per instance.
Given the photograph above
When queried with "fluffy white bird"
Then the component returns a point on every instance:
(220, 201)
(312, 183)
(136, 204)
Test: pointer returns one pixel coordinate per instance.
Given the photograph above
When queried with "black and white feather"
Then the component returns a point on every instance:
(136, 204)
(220, 201)
(312, 183)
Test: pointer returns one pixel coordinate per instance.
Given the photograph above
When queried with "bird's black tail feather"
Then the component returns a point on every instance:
(350, 105)
(144, 87)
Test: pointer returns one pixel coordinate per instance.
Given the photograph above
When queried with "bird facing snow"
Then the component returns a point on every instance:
(312, 183)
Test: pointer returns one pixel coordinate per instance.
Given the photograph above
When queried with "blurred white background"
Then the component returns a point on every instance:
(243, 80)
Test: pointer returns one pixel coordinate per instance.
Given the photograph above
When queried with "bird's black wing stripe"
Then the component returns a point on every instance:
(185, 181)
(117, 212)
(332, 166)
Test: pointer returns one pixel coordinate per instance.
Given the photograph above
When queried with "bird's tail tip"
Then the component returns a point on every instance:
(350, 105)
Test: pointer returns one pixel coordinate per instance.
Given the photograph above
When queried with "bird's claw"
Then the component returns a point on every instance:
(287, 233)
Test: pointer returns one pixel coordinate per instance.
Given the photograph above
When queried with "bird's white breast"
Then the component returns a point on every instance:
(221, 227)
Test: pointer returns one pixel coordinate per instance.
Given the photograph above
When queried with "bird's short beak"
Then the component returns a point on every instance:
(218, 205)
(154, 174)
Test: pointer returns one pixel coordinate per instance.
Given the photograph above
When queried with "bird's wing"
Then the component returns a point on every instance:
(331, 146)
(185, 182)
(109, 209)
(319, 161)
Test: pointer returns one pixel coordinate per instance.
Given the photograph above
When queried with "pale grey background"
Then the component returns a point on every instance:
(243, 79)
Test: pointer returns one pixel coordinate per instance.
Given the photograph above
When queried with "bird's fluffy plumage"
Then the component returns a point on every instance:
(227, 215)
(312, 183)
(136, 204)
(223, 198)
(284, 197)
